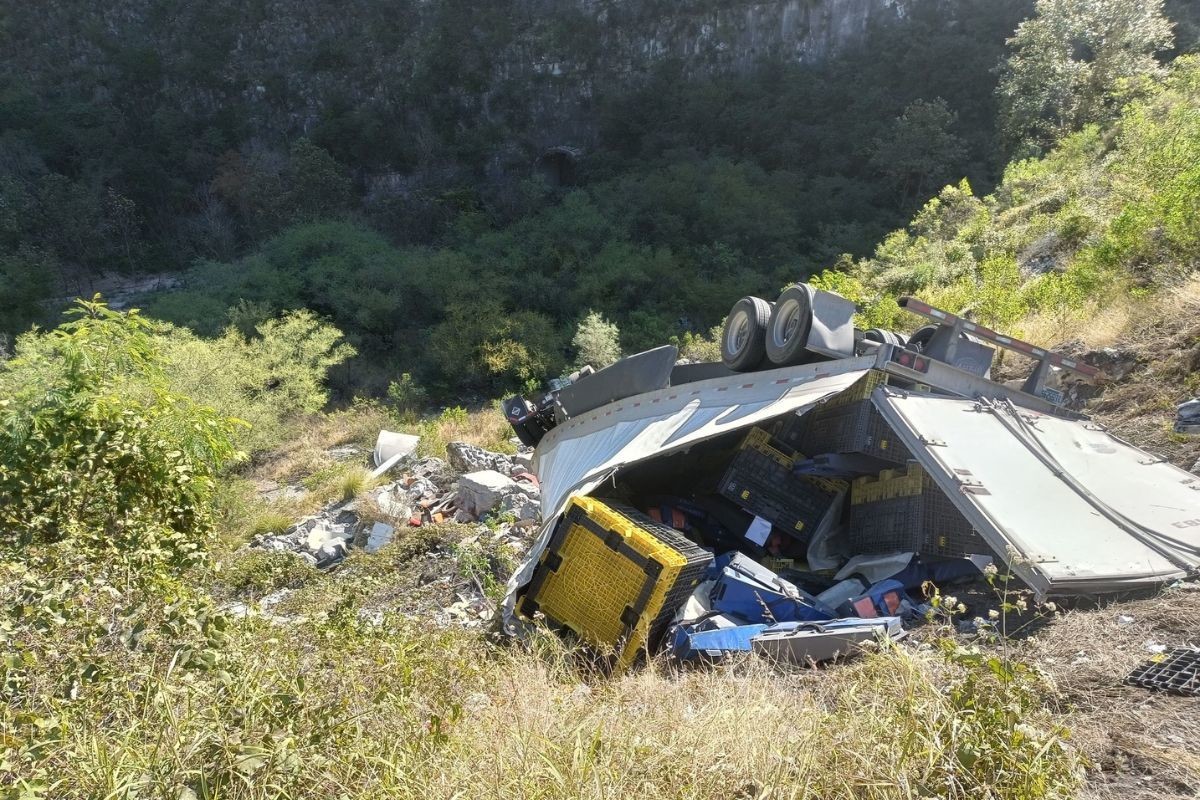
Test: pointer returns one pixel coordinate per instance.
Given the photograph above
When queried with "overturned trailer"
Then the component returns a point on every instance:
(1071, 509)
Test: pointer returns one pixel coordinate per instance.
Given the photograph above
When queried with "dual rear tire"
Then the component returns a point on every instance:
(758, 332)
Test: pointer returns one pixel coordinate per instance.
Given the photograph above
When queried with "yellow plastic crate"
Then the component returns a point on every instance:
(890, 484)
(760, 440)
(614, 577)
(859, 390)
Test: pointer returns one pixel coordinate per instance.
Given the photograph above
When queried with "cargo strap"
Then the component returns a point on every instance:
(615, 541)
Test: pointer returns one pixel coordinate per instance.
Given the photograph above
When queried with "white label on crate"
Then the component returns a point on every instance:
(758, 531)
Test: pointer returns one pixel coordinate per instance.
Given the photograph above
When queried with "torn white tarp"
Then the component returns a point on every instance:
(1081, 512)
(578, 455)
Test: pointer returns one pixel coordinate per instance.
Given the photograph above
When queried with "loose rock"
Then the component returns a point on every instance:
(466, 458)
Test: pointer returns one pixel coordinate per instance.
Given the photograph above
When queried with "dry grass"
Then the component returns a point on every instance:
(1093, 328)
(1165, 339)
(484, 427)
(304, 452)
(1161, 335)
(1141, 744)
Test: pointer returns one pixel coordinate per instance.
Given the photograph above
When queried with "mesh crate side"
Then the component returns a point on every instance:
(614, 577)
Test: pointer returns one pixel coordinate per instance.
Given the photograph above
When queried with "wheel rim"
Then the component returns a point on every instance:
(788, 323)
(738, 332)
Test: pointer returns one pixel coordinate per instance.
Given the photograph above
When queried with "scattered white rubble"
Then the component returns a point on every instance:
(498, 496)
(381, 534)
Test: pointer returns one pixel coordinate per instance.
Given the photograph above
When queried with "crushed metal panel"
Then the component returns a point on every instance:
(578, 455)
(1015, 501)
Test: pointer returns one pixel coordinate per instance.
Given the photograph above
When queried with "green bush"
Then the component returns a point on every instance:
(96, 450)
(266, 380)
(597, 342)
(252, 574)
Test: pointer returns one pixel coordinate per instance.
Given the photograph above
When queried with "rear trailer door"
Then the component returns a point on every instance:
(1081, 512)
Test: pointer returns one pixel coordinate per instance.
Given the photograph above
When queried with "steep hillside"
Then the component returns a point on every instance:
(1093, 248)
(134, 140)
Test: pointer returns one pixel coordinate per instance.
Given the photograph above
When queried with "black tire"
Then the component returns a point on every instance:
(743, 341)
(791, 320)
(920, 339)
(885, 337)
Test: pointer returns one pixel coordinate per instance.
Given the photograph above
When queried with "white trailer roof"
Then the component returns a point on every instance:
(578, 455)
(1085, 512)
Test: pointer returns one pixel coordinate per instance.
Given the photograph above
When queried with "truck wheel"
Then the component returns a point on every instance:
(743, 342)
(791, 320)
(885, 337)
(920, 338)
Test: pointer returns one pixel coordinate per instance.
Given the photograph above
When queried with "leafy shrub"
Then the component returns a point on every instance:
(254, 573)
(407, 394)
(95, 448)
(597, 341)
(265, 380)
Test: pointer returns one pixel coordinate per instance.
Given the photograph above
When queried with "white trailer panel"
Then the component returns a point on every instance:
(1085, 512)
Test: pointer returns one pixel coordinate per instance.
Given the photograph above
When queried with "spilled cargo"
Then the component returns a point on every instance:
(815, 483)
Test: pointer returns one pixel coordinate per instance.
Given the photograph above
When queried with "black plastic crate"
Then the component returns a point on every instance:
(760, 480)
(905, 511)
(1176, 671)
(855, 427)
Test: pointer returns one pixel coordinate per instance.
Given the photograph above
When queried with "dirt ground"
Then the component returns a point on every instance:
(1140, 744)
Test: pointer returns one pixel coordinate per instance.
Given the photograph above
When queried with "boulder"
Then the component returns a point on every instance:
(524, 509)
(522, 462)
(489, 492)
(433, 470)
(482, 491)
(466, 458)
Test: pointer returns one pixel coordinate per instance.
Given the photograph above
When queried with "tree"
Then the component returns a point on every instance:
(921, 151)
(597, 341)
(1071, 62)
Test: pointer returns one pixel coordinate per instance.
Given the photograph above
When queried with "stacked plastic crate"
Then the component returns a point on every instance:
(903, 510)
(761, 479)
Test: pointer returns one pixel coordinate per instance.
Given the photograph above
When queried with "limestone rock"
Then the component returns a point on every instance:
(482, 492)
(465, 458)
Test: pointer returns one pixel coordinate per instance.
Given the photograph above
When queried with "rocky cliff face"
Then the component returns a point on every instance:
(418, 89)
(723, 35)
(625, 38)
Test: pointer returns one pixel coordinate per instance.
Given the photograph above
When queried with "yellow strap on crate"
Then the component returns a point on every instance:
(859, 390)
(760, 440)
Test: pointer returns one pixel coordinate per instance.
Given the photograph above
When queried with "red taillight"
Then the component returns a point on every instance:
(907, 358)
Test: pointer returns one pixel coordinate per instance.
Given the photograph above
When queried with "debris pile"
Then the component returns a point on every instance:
(1187, 417)
(498, 493)
(747, 544)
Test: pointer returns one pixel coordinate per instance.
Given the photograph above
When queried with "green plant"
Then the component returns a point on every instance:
(407, 394)
(253, 573)
(96, 451)
(354, 482)
(597, 341)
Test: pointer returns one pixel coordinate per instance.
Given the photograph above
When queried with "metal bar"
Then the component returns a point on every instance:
(915, 306)
(955, 381)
